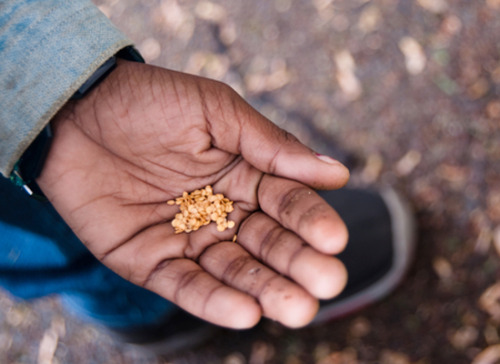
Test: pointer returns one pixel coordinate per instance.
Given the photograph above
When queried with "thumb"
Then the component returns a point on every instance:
(270, 148)
(275, 151)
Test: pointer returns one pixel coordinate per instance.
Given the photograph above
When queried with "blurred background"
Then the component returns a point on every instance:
(406, 93)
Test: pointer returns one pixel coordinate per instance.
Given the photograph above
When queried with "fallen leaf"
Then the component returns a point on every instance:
(346, 75)
(490, 355)
(434, 6)
(370, 19)
(415, 59)
(408, 162)
(490, 301)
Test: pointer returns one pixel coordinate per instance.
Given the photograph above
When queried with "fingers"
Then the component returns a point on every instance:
(189, 286)
(280, 299)
(154, 259)
(321, 275)
(301, 210)
(229, 287)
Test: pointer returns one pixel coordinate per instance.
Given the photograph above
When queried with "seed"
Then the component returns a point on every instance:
(201, 207)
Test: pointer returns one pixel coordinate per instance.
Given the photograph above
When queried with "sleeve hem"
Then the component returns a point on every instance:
(45, 63)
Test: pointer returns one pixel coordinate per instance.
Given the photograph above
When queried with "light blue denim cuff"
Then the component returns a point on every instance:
(49, 48)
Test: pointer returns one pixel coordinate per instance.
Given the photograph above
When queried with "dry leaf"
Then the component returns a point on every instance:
(490, 355)
(408, 162)
(415, 59)
(346, 75)
(434, 6)
(490, 301)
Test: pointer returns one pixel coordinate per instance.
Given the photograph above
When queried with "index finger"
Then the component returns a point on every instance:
(300, 209)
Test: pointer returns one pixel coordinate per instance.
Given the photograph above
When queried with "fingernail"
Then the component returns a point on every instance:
(326, 158)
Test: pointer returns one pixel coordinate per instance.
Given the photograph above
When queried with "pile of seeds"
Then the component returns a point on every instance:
(200, 208)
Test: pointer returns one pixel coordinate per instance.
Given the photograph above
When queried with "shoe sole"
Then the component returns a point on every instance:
(404, 236)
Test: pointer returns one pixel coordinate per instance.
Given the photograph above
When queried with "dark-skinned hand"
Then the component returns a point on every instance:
(144, 136)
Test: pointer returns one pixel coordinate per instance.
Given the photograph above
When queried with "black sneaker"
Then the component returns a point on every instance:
(382, 238)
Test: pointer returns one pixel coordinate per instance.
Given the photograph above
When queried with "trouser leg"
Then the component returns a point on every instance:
(40, 256)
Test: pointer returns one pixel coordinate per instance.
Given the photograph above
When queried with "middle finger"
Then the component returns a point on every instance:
(320, 274)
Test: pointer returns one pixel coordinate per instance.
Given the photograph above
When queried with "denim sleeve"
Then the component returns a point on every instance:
(48, 48)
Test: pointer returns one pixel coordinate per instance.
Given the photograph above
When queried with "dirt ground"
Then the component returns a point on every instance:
(406, 93)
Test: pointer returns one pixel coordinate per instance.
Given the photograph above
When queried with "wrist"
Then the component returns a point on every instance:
(127, 53)
(28, 168)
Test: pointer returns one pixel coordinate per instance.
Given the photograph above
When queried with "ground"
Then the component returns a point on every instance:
(406, 93)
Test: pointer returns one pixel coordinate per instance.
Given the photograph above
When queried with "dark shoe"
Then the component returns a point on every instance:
(382, 238)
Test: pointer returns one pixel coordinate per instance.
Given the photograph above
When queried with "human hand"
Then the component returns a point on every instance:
(147, 134)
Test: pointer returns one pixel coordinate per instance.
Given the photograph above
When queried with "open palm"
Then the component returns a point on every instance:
(147, 134)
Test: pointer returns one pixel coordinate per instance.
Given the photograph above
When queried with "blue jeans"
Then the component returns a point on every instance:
(40, 256)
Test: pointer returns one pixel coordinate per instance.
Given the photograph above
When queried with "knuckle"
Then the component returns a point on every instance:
(289, 201)
(247, 227)
(184, 281)
(315, 213)
(235, 267)
(285, 138)
(159, 267)
(270, 240)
